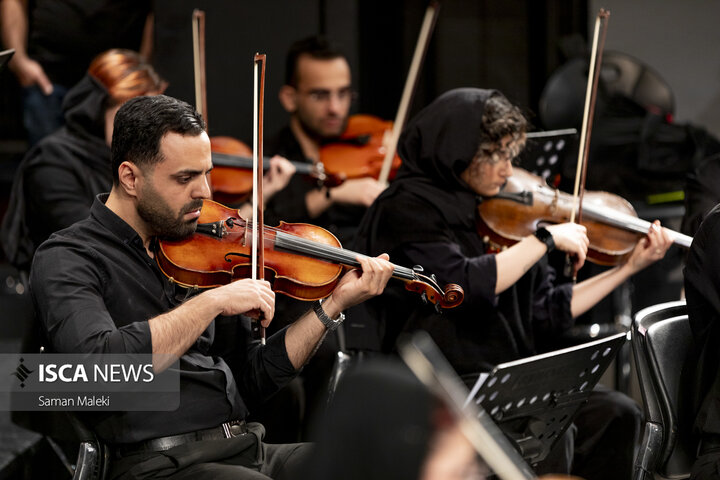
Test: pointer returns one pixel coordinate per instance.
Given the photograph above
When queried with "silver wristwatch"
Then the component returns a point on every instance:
(330, 324)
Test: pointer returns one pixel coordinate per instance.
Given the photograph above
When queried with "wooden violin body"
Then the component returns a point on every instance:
(220, 252)
(302, 261)
(360, 150)
(527, 203)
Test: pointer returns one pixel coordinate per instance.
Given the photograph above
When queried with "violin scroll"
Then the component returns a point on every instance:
(427, 287)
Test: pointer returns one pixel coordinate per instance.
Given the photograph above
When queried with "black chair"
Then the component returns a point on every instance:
(661, 338)
(93, 455)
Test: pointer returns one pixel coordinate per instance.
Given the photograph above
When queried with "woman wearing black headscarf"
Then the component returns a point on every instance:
(456, 151)
(59, 178)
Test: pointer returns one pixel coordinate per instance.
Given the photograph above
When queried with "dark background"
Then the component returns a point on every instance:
(509, 45)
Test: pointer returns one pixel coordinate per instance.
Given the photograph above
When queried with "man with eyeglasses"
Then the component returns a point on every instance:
(318, 95)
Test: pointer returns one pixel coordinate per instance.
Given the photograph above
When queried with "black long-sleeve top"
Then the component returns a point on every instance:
(58, 179)
(701, 374)
(94, 288)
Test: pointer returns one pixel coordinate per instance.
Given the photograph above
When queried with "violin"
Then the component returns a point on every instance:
(527, 202)
(232, 177)
(302, 261)
(360, 151)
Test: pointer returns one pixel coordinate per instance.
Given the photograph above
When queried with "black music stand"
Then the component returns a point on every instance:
(424, 358)
(5, 57)
(545, 153)
(534, 400)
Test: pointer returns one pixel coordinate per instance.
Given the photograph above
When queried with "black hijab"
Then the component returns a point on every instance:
(437, 145)
(79, 145)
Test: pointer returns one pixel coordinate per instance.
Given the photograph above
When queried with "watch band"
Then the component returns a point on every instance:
(545, 237)
(330, 324)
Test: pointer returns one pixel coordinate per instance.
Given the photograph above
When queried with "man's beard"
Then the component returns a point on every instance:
(315, 133)
(153, 209)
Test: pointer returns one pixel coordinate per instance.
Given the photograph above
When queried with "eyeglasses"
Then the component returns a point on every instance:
(323, 96)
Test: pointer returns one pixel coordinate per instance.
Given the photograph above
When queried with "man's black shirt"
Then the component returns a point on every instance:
(95, 288)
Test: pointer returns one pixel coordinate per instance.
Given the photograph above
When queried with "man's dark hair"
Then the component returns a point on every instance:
(142, 122)
(317, 47)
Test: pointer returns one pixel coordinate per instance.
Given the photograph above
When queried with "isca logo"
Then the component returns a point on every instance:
(22, 373)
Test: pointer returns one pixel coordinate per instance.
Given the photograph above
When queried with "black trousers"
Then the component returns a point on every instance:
(602, 446)
(243, 457)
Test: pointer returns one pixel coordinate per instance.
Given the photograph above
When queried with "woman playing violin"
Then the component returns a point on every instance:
(457, 150)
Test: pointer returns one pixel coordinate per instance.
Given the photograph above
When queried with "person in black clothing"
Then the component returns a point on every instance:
(421, 439)
(56, 40)
(701, 374)
(58, 179)
(83, 276)
(456, 151)
(317, 94)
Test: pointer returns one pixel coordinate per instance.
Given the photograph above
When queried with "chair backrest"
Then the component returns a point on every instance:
(93, 455)
(661, 339)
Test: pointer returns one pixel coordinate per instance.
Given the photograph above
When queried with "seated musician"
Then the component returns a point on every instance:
(317, 95)
(702, 368)
(97, 289)
(58, 179)
(458, 149)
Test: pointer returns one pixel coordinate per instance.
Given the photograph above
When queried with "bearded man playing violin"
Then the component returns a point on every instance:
(97, 289)
(457, 150)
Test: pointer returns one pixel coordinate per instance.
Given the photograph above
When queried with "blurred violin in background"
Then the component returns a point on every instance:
(361, 150)
(232, 176)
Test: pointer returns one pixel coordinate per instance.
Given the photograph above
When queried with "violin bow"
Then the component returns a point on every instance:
(198, 34)
(590, 98)
(428, 24)
(258, 234)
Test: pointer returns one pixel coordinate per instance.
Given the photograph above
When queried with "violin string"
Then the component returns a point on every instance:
(323, 251)
(622, 220)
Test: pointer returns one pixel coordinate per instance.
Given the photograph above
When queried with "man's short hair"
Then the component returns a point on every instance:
(142, 122)
(317, 47)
